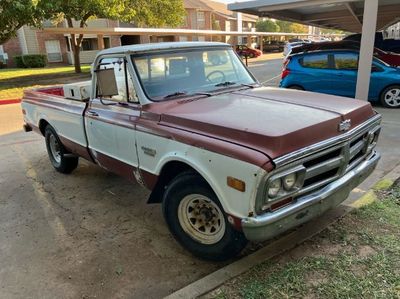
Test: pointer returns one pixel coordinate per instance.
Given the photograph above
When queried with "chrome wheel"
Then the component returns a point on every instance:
(201, 219)
(392, 97)
(55, 148)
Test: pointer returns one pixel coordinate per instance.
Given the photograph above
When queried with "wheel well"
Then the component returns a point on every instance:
(42, 125)
(167, 174)
(296, 85)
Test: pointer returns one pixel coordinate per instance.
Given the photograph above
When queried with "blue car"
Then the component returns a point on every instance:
(335, 72)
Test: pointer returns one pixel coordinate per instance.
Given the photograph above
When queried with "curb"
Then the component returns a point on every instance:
(10, 101)
(285, 243)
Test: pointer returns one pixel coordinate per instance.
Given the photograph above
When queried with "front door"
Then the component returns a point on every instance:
(110, 121)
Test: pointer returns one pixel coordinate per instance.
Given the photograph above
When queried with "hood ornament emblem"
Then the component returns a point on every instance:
(344, 125)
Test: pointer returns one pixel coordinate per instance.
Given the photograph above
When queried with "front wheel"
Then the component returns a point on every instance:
(61, 160)
(197, 220)
(390, 97)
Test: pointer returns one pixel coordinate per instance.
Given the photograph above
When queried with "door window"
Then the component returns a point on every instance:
(346, 61)
(123, 80)
(53, 50)
(319, 61)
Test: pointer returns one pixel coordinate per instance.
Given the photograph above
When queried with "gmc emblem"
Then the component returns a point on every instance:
(344, 125)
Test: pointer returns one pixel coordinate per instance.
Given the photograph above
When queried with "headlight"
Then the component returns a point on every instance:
(274, 188)
(289, 181)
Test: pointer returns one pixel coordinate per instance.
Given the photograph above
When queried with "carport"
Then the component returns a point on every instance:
(365, 16)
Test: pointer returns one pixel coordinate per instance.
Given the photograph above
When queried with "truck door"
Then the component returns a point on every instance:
(111, 117)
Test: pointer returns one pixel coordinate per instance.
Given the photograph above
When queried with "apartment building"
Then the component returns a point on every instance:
(393, 31)
(200, 14)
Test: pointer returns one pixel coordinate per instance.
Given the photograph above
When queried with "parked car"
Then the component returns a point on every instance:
(335, 72)
(274, 46)
(388, 57)
(388, 44)
(245, 51)
(191, 132)
(300, 40)
(289, 46)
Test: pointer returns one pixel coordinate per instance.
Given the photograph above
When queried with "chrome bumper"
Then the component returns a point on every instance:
(271, 224)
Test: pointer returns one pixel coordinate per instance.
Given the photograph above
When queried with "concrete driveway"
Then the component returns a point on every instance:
(91, 234)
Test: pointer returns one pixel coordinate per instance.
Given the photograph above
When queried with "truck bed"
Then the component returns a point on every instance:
(42, 106)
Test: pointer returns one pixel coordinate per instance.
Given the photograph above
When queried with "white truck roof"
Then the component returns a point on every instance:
(159, 46)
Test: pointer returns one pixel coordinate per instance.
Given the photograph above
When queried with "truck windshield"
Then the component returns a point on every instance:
(186, 72)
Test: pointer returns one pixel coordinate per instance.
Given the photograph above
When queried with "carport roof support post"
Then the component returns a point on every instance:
(367, 48)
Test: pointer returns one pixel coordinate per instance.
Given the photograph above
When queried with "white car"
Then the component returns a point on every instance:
(289, 46)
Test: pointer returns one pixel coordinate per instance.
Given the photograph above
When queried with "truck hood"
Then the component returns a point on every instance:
(272, 121)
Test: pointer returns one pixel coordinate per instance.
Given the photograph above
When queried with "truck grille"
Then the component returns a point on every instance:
(320, 164)
(332, 163)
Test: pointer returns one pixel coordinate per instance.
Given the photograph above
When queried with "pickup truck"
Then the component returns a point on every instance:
(229, 160)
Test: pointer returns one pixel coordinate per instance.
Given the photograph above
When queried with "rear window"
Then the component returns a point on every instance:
(319, 61)
(346, 61)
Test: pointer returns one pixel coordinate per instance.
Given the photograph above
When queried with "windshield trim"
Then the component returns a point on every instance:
(191, 49)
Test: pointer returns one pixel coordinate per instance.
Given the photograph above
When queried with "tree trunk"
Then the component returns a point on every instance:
(76, 44)
(77, 58)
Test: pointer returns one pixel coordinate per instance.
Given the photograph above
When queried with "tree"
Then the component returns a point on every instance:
(291, 27)
(267, 25)
(142, 12)
(14, 15)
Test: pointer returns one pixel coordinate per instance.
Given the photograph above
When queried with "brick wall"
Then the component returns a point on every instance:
(42, 37)
(13, 48)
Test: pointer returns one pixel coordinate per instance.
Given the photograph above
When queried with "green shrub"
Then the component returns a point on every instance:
(18, 62)
(31, 61)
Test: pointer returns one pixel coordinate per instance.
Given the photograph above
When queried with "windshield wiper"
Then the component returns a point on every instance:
(229, 83)
(253, 85)
(175, 94)
(209, 94)
(226, 83)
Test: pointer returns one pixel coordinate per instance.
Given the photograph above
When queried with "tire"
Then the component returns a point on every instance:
(189, 193)
(297, 87)
(390, 97)
(59, 157)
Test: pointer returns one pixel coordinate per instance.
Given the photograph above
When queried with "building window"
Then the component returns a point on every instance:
(106, 41)
(201, 20)
(89, 44)
(53, 50)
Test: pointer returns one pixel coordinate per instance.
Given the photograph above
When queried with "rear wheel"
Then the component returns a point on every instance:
(197, 220)
(59, 157)
(390, 97)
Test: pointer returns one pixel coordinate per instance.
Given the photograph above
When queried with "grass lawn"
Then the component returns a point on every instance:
(358, 257)
(14, 81)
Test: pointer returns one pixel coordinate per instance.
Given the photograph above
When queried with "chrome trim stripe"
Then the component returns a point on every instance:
(324, 167)
(281, 161)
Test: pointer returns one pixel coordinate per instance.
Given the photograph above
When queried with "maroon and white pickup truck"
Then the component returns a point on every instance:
(229, 160)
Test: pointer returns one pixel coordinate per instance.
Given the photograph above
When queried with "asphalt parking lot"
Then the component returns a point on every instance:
(91, 234)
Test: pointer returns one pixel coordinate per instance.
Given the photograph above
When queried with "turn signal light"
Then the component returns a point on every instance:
(236, 184)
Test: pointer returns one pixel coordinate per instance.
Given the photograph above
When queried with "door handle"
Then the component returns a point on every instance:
(340, 74)
(92, 113)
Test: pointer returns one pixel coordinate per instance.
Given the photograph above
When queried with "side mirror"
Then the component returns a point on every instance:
(106, 83)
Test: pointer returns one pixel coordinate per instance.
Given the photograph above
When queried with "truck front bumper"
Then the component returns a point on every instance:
(271, 224)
